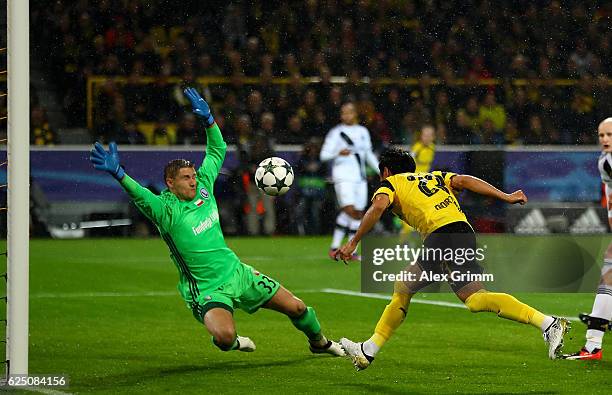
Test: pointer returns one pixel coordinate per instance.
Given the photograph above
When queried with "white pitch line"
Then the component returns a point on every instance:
(101, 294)
(421, 301)
(46, 391)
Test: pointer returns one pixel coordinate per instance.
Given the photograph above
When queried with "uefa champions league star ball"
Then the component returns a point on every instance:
(274, 176)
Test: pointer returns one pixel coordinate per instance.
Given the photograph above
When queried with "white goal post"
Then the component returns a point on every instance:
(18, 177)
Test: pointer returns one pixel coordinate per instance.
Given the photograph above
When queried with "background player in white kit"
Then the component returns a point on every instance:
(349, 147)
(601, 315)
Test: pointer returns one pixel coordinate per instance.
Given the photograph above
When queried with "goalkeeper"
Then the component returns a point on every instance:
(212, 280)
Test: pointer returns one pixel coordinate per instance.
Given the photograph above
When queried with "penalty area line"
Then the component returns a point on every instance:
(419, 301)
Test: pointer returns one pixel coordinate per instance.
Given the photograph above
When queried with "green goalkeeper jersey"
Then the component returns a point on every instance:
(191, 229)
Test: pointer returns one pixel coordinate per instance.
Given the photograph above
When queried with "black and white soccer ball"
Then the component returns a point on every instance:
(274, 176)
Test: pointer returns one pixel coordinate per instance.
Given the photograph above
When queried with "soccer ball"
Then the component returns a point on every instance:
(274, 176)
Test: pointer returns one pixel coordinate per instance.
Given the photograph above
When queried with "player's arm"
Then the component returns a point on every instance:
(146, 201)
(461, 181)
(331, 148)
(379, 204)
(371, 159)
(215, 145)
(608, 192)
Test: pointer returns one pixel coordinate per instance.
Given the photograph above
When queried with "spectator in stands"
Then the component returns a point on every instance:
(442, 111)
(490, 134)
(129, 134)
(295, 131)
(89, 38)
(244, 129)
(255, 107)
(188, 131)
(535, 134)
(581, 59)
(161, 133)
(41, 132)
(520, 109)
(393, 107)
(308, 111)
(511, 133)
(493, 111)
(463, 131)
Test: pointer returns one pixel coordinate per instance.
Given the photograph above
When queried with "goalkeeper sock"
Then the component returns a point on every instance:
(309, 324)
(389, 321)
(507, 306)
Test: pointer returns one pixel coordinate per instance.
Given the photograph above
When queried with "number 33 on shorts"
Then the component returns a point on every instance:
(266, 283)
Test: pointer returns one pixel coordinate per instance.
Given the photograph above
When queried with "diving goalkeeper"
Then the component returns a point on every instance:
(212, 279)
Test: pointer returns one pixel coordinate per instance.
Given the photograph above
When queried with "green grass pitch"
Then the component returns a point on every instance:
(106, 312)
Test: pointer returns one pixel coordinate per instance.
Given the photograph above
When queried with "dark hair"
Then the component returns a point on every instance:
(173, 167)
(397, 161)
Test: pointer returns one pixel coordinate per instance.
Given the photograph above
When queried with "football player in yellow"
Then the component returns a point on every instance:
(427, 202)
(424, 149)
(423, 152)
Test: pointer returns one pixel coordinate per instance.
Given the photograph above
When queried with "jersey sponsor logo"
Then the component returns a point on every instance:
(444, 203)
(206, 224)
(204, 193)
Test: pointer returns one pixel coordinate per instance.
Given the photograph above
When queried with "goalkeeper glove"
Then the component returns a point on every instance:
(200, 107)
(107, 161)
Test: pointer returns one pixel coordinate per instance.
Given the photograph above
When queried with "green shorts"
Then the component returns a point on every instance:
(247, 290)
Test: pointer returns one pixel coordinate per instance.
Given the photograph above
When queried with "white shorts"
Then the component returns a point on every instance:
(352, 194)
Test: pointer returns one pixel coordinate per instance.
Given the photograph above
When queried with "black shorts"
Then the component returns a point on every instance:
(448, 252)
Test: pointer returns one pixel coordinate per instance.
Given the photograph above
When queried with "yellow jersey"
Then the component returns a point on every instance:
(423, 156)
(424, 201)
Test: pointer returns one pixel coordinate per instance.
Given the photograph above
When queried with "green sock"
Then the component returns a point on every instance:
(309, 324)
(234, 345)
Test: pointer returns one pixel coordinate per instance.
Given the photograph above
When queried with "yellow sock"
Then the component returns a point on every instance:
(391, 318)
(506, 306)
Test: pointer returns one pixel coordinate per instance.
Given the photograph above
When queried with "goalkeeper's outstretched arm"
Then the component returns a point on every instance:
(475, 184)
(146, 201)
(215, 146)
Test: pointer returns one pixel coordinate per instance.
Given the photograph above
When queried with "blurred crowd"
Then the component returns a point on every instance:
(437, 42)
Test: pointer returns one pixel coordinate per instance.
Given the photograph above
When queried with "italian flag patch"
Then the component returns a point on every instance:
(199, 202)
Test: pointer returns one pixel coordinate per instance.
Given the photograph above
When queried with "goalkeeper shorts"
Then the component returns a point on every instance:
(247, 290)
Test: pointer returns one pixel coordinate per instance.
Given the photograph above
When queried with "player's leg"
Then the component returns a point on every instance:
(601, 315)
(362, 354)
(478, 299)
(460, 237)
(360, 193)
(220, 324)
(303, 318)
(345, 199)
